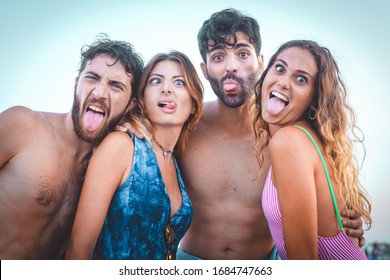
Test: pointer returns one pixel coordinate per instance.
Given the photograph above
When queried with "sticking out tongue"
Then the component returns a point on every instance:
(92, 120)
(275, 105)
(229, 87)
(168, 105)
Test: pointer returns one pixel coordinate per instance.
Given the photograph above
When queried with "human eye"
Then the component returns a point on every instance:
(180, 82)
(217, 57)
(117, 86)
(301, 79)
(91, 76)
(243, 54)
(279, 68)
(155, 80)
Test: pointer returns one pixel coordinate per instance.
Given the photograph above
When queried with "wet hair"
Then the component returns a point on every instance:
(224, 23)
(119, 50)
(335, 124)
(139, 117)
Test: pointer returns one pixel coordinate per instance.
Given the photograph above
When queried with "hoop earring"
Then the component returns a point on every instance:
(312, 113)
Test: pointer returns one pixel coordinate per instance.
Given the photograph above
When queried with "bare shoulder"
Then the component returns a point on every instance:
(292, 146)
(287, 139)
(115, 143)
(19, 115)
(208, 111)
(113, 156)
(208, 119)
(209, 105)
(19, 125)
(119, 137)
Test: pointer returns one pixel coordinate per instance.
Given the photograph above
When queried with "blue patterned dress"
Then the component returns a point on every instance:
(135, 224)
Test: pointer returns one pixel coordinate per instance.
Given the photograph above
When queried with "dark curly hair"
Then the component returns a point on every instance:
(224, 23)
(119, 50)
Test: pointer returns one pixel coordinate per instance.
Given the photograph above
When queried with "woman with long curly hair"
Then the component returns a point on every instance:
(302, 113)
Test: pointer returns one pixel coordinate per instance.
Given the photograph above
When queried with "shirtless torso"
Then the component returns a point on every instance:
(40, 180)
(44, 156)
(221, 175)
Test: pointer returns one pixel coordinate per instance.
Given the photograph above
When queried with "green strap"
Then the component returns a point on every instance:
(336, 208)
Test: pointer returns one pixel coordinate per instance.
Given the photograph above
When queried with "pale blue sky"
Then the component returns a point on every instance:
(41, 41)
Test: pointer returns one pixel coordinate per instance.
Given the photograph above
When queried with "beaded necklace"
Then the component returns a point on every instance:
(165, 151)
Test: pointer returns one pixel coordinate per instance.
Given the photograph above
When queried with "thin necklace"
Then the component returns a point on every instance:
(165, 151)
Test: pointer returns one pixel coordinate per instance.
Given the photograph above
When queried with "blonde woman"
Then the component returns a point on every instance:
(301, 110)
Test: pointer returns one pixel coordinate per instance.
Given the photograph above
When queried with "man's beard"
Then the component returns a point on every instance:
(239, 98)
(96, 136)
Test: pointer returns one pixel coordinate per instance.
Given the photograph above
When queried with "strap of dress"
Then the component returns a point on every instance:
(336, 208)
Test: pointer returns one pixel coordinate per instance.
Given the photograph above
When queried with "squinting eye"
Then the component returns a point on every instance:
(90, 77)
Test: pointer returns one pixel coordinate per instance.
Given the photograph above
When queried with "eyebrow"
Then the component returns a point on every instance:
(236, 46)
(93, 73)
(115, 82)
(162, 76)
(299, 70)
(112, 82)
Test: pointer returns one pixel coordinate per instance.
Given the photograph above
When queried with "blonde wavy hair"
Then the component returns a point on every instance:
(335, 124)
(138, 117)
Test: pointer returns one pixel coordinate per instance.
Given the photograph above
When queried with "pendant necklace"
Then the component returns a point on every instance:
(165, 151)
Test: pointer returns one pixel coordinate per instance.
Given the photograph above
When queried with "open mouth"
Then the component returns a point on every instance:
(96, 110)
(93, 117)
(280, 96)
(276, 102)
(167, 104)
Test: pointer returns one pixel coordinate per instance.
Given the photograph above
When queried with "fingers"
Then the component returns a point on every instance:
(353, 224)
(349, 214)
(126, 125)
(354, 232)
(121, 128)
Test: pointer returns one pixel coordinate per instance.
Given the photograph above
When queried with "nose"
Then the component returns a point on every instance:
(284, 82)
(100, 91)
(166, 88)
(231, 64)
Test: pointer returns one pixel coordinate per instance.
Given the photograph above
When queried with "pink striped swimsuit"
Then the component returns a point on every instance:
(338, 247)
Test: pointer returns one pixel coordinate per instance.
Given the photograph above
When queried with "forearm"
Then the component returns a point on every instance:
(79, 251)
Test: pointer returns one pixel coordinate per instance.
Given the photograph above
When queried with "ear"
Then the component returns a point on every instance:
(76, 80)
(203, 66)
(133, 103)
(260, 60)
